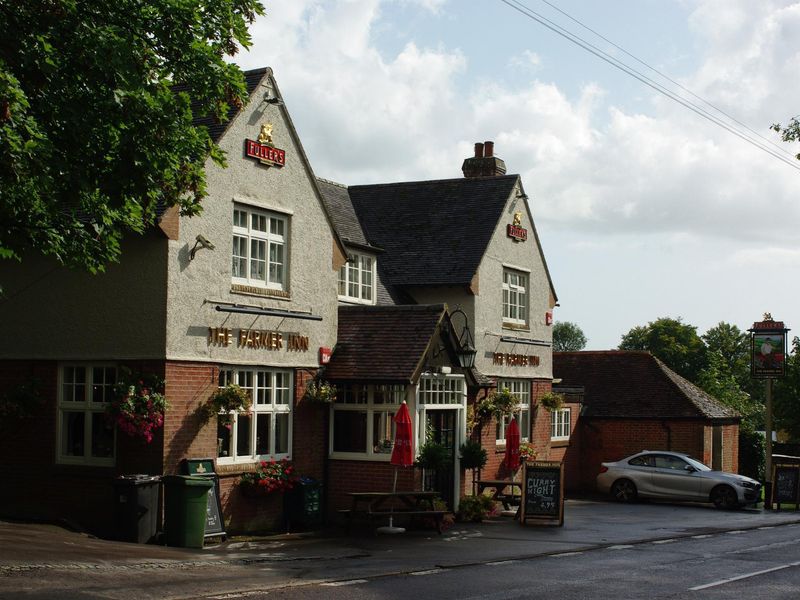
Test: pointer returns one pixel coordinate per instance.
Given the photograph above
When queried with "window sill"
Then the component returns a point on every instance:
(559, 443)
(363, 457)
(516, 327)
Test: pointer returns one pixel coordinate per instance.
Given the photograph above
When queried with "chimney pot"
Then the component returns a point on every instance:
(489, 149)
(478, 150)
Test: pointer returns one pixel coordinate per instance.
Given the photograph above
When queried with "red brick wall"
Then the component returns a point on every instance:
(364, 476)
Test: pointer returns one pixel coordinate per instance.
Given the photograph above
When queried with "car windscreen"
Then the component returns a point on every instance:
(697, 464)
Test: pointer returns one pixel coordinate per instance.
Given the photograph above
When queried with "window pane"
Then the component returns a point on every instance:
(243, 424)
(276, 227)
(263, 434)
(239, 253)
(72, 434)
(276, 263)
(102, 436)
(263, 389)
(259, 223)
(349, 431)
(282, 433)
(258, 261)
(281, 388)
(224, 441)
(382, 432)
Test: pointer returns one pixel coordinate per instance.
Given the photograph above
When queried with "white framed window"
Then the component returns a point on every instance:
(515, 297)
(560, 424)
(260, 247)
(85, 435)
(442, 390)
(362, 424)
(266, 432)
(357, 279)
(521, 388)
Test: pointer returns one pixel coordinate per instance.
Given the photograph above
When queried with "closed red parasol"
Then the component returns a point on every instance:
(403, 450)
(512, 446)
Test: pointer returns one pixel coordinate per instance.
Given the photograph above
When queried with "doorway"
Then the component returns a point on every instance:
(441, 428)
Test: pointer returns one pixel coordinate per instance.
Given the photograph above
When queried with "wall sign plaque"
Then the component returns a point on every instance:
(263, 150)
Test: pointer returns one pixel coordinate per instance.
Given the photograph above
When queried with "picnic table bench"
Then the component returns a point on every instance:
(382, 505)
(507, 498)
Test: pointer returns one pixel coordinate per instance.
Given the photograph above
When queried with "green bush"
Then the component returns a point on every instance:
(752, 454)
(475, 508)
(472, 455)
(432, 455)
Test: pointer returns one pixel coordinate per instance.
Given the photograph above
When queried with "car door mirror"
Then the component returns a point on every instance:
(690, 469)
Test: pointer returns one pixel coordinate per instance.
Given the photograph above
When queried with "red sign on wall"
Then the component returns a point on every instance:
(517, 233)
(325, 355)
(548, 317)
(266, 155)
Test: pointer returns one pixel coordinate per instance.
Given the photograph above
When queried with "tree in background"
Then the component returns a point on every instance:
(786, 396)
(568, 337)
(673, 342)
(93, 140)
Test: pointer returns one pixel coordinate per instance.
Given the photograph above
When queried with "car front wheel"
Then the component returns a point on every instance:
(624, 490)
(724, 497)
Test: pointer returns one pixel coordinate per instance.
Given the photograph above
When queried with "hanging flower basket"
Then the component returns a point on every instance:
(552, 401)
(319, 392)
(138, 406)
(499, 403)
(224, 402)
(527, 452)
(270, 476)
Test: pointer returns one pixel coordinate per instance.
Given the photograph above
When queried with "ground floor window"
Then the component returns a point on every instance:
(521, 388)
(362, 419)
(560, 424)
(85, 435)
(266, 432)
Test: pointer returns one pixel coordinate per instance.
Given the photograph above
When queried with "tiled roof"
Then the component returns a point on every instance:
(382, 343)
(433, 232)
(622, 384)
(342, 213)
(215, 130)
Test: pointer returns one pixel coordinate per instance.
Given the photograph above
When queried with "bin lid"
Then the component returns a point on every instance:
(187, 481)
(137, 479)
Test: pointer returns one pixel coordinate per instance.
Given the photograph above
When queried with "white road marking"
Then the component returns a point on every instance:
(428, 572)
(701, 537)
(620, 547)
(668, 541)
(735, 532)
(767, 527)
(566, 554)
(341, 583)
(746, 576)
(501, 562)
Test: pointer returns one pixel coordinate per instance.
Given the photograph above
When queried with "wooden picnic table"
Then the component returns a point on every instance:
(500, 494)
(382, 505)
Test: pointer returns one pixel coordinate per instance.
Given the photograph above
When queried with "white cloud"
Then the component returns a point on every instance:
(767, 258)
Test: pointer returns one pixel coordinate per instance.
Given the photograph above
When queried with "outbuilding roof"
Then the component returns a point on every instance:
(626, 384)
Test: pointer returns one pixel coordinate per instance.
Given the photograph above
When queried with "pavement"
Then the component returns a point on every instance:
(588, 524)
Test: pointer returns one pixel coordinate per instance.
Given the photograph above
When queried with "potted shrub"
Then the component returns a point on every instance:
(472, 455)
(432, 455)
(476, 508)
(224, 402)
(138, 406)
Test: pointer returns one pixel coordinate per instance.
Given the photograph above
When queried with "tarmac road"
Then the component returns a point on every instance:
(44, 561)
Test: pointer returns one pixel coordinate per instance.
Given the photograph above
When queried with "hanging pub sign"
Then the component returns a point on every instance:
(768, 348)
(515, 230)
(263, 150)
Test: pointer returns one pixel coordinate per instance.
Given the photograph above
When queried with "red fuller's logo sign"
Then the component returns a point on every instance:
(515, 230)
(263, 150)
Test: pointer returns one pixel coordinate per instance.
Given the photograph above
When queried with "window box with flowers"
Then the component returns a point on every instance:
(270, 476)
(138, 406)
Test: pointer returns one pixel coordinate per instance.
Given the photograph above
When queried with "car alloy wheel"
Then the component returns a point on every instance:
(624, 490)
(723, 496)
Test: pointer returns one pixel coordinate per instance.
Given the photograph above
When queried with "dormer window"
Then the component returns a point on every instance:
(357, 279)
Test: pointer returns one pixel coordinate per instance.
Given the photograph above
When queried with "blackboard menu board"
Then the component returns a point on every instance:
(784, 488)
(543, 491)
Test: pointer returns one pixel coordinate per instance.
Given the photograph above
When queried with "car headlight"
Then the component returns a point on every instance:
(751, 485)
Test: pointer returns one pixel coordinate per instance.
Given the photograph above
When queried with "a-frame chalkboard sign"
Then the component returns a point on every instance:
(542, 492)
(215, 525)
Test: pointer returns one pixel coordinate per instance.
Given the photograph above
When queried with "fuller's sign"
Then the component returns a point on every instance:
(515, 230)
(263, 150)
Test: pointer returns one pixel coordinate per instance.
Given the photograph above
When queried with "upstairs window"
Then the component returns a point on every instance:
(259, 248)
(357, 279)
(515, 298)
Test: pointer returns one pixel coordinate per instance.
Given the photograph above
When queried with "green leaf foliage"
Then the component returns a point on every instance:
(674, 342)
(786, 396)
(568, 337)
(95, 139)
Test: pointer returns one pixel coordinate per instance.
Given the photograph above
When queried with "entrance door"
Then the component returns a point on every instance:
(441, 424)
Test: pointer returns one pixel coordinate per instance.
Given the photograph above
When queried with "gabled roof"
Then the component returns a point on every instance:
(344, 217)
(383, 343)
(433, 232)
(622, 384)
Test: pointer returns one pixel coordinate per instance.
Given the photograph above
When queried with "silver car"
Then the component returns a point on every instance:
(675, 476)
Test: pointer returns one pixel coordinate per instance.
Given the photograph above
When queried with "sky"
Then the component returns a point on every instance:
(644, 209)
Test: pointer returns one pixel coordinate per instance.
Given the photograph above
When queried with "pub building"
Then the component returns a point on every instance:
(243, 293)
(469, 243)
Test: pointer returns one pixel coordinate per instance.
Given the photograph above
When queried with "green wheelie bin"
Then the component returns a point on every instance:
(185, 509)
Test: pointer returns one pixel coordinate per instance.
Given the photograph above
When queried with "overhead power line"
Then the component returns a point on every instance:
(778, 153)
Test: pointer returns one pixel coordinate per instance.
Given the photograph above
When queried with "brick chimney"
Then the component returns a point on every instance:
(484, 163)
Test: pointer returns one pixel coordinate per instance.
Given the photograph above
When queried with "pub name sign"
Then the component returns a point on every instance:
(257, 339)
(515, 360)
